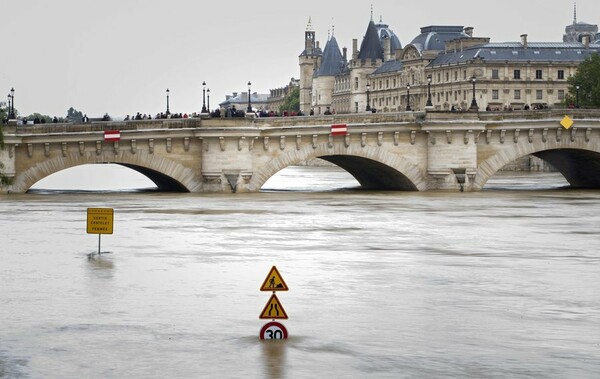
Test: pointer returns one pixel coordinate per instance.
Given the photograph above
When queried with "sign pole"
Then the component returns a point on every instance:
(100, 221)
(273, 310)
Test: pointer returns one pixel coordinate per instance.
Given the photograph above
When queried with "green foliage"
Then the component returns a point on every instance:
(74, 115)
(3, 113)
(291, 103)
(588, 80)
(40, 117)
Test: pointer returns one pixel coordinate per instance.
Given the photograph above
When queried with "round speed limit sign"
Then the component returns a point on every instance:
(273, 331)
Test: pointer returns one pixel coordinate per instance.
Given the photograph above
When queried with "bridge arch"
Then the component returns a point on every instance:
(166, 174)
(578, 161)
(373, 168)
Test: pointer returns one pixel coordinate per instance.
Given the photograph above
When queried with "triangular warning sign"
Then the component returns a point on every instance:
(274, 281)
(273, 309)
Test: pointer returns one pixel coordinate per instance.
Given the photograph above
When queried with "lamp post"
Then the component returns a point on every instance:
(408, 97)
(11, 113)
(168, 113)
(368, 99)
(8, 107)
(576, 97)
(474, 106)
(249, 110)
(203, 97)
(429, 104)
(208, 99)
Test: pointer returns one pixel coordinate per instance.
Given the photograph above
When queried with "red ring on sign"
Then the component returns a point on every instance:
(275, 324)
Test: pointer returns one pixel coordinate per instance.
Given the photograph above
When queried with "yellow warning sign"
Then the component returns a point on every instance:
(100, 220)
(273, 309)
(566, 122)
(274, 281)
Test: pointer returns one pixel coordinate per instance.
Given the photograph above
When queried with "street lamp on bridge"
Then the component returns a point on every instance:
(474, 106)
(208, 99)
(249, 110)
(11, 105)
(168, 113)
(429, 103)
(8, 107)
(368, 99)
(576, 97)
(408, 97)
(203, 97)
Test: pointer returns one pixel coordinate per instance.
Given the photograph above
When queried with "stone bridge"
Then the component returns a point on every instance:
(412, 151)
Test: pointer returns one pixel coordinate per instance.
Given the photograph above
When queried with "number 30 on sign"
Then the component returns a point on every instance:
(273, 331)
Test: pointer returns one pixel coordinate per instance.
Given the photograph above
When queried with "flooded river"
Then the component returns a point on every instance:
(503, 283)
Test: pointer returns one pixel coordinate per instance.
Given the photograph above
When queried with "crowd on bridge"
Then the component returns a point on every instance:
(159, 116)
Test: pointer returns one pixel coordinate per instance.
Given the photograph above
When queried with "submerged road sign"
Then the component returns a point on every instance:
(273, 309)
(274, 282)
(273, 331)
(100, 220)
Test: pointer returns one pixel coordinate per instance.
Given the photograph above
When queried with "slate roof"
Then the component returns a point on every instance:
(317, 52)
(515, 52)
(333, 61)
(370, 48)
(435, 37)
(384, 31)
(389, 66)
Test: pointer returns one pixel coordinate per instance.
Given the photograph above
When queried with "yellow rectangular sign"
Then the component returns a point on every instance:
(100, 220)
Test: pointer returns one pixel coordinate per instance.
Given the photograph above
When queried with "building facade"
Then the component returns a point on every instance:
(444, 64)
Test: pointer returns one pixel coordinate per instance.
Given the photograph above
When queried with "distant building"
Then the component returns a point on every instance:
(277, 96)
(240, 101)
(576, 31)
(446, 60)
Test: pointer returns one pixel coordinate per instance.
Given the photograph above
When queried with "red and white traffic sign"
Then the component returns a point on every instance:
(273, 331)
(112, 136)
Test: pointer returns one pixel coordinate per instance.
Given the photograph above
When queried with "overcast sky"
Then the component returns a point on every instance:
(119, 56)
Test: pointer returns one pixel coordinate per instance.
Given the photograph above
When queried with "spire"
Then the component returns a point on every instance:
(332, 27)
(309, 27)
(370, 47)
(371, 12)
(574, 12)
(333, 61)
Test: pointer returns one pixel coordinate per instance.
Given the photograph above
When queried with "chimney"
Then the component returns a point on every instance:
(586, 40)
(524, 40)
(318, 45)
(469, 31)
(234, 94)
(354, 48)
(387, 48)
(345, 53)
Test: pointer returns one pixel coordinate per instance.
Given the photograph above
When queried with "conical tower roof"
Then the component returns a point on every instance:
(370, 48)
(333, 62)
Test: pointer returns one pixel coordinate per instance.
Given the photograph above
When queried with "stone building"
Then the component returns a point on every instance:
(460, 71)
(240, 101)
(277, 95)
(576, 31)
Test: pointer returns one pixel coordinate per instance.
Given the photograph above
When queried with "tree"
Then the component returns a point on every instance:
(291, 103)
(588, 80)
(74, 115)
(40, 117)
(3, 112)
